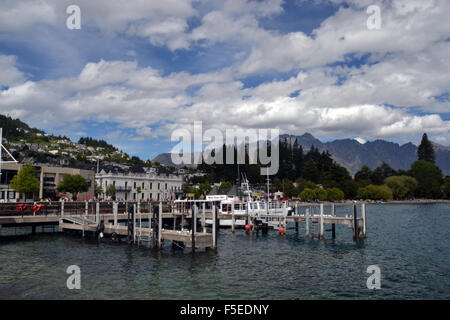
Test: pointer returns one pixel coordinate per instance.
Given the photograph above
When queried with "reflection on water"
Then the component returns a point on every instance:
(410, 243)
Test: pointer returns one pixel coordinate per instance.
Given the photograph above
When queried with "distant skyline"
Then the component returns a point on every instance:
(137, 70)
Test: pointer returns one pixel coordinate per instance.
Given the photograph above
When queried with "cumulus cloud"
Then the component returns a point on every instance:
(345, 80)
(10, 75)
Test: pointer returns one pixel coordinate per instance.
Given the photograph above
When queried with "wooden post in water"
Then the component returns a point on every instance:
(140, 224)
(97, 212)
(355, 224)
(333, 226)
(62, 208)
(134, 223)
(214, 230)
(364, 219)
(182, 220)
(115, 212)
(150, 230)
(321, 233)
(86, 208)
(160, 226)
(307, 222)
(194, 226)
(232, 218)
(204, 217)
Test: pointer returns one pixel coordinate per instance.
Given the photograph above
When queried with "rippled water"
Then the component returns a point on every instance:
(410, 243)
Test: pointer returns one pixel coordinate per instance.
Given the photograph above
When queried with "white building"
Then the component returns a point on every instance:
(152, 186)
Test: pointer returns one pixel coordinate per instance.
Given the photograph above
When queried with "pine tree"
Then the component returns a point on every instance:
(426, 150)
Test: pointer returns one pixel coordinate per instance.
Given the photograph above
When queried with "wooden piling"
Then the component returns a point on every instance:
(321, 233)
(160, 226)
(214, 229)
(363, 209)
(182, 220)
(194, 226)
(62, 208)
(97, 213)
(150, 230)
(204, 217)
(86, 208)
(333, 226)
(355, 223)
(233, 221)
(307, 222)
(115, 212)
(134, 223)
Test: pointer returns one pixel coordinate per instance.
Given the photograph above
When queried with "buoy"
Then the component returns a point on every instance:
(247, 227)
(281, 230)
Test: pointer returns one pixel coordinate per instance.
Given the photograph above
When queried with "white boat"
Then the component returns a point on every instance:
(255, 209)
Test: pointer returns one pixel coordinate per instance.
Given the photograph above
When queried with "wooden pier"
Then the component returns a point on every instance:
(184, 224)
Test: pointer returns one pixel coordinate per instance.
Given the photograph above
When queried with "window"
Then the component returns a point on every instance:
(151, 197)
(142, 197)
(158, 187)
(134, 196)
(126, 196)
(114, 183)
(142, 186)
(134, 185)
(166, 186)
(151, 186)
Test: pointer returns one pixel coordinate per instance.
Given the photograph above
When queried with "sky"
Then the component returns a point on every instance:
(138, 70)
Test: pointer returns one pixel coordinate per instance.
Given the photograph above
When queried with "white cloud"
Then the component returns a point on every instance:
(10, 75)
(407, 66)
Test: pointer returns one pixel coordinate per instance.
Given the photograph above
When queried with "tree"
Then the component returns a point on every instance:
(429, 178)
(375, 192)
(446, 188)
(98, 190)
(426, 150)
(307, 194)
(402, 186)
(73, 184)
(320, 194)
(335, 194)
(225, 185)
(205, 188)
(364, 174)
(302, 184)
(25, 180)
(111, 191)
(310, 172)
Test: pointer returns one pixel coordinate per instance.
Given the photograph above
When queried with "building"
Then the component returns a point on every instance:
(152, 186)
(49, 178)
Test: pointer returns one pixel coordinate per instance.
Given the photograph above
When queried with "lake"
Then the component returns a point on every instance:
(410, 243)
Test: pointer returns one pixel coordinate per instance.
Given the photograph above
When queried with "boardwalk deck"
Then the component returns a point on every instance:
(128, 222)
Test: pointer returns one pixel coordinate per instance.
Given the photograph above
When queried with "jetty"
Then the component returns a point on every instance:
(184, 223)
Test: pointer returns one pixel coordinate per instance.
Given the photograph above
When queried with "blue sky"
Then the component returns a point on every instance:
(135, 73)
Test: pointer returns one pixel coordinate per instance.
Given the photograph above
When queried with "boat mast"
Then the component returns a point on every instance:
(268, 190)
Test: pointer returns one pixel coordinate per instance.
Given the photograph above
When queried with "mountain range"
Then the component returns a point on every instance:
(353, 155)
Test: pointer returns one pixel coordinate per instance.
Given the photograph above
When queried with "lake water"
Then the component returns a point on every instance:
(410, 244)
